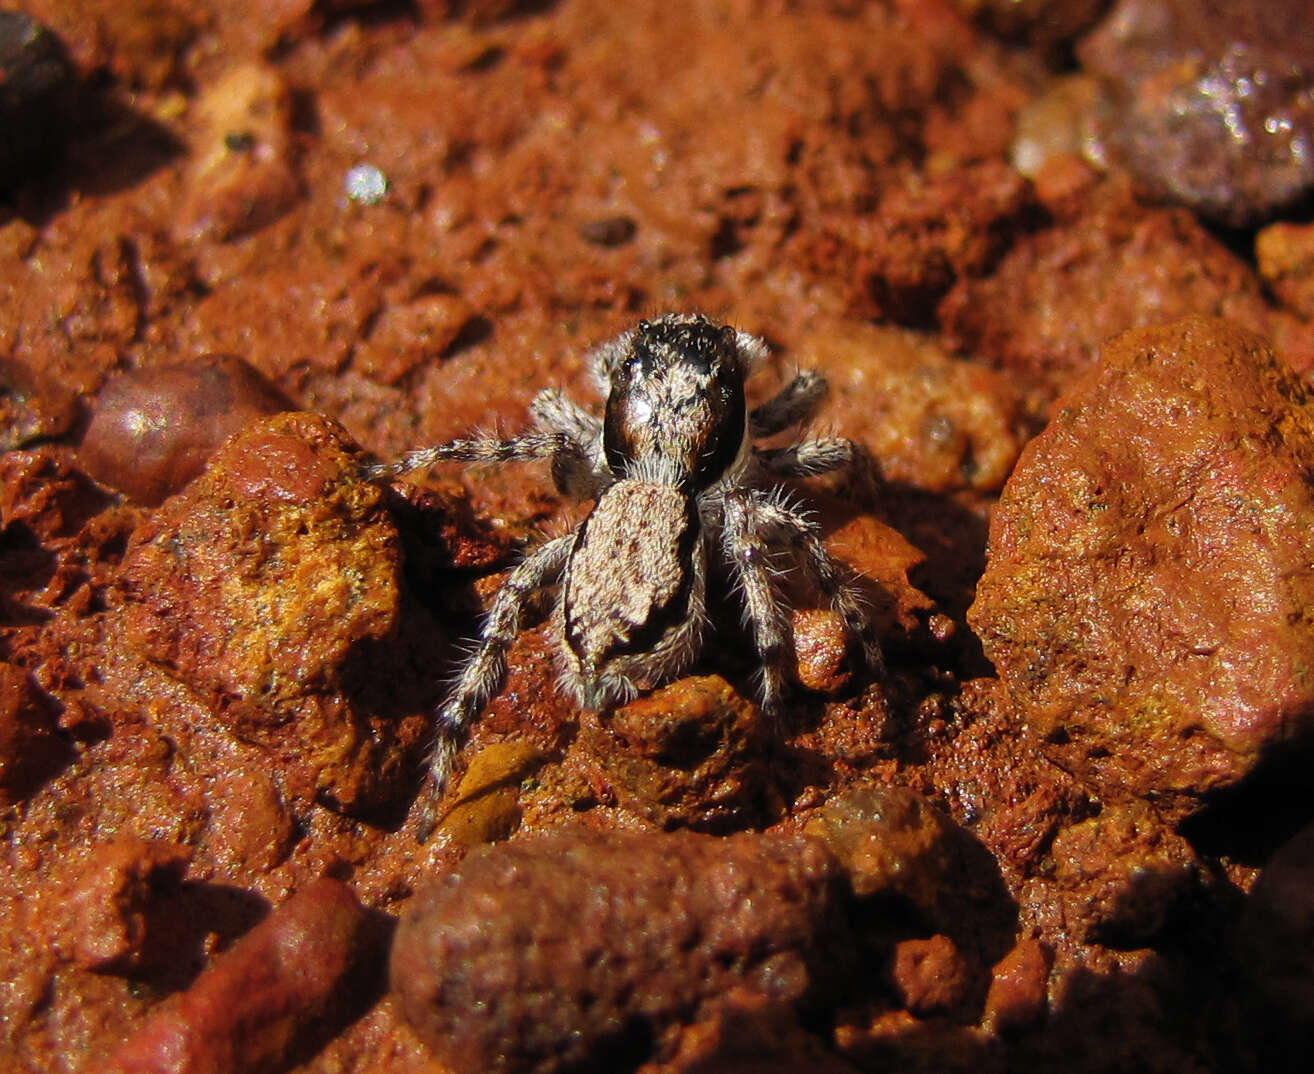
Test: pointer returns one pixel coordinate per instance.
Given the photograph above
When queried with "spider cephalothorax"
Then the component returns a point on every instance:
(676, 479)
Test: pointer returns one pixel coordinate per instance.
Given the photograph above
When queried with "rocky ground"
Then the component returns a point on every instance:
(1056, 262)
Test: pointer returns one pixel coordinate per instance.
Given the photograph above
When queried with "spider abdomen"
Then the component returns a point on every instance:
(632, 597)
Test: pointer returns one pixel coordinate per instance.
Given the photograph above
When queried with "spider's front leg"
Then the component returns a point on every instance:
(793, 404)
(483, 673)
(747, 550)
(809, 458)
(479, 449)
(784, 525)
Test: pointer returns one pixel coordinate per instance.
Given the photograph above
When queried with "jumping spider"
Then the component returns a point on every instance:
(674, 473)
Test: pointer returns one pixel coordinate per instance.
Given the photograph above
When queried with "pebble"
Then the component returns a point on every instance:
(1210, 106)
(153, 429)
(606, 943)
(37, 83)
(295, 977)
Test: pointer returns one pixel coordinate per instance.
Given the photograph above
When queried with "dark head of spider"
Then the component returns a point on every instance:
(677, 403)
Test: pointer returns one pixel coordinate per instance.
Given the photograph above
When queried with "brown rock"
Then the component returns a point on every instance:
(407, 335)
(32, 406)
(1211, 106)
(891, 841)
(153, 429)
(750, 1034)
(262, 587)
(1114, 266)
(1148, 591)
(932, 421)
(931, 976)
(297, 974)
(31, 750)
(1019, 995)
(487, 804)
(249, 825)
(605, 942)
(1286, 261)
(111, 897)
(690, 754)
(821, 651)
(1123, 874)
(242, 175)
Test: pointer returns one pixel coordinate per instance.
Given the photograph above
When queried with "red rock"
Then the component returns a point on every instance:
(1286, 261)
(892, 841)
(693, 753)
(931, 976)
(296, 974)
(1018, 995)
(31, 749)
(262, 586)
(604, 943)
(243, 174)
(1148, 589)
(110, 900)
(32, 406)
(930, 420)
(153, 429)
(1112, 266)
(1123, 874)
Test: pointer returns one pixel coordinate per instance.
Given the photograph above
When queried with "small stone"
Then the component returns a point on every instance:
(248, 824)
(1286, 261)
(152, 429)
(32, 406)
(1210, 106)
(690, 754)
(1019, 984)
(1123, 873)
(267, 586)
(821, 648)
(110, 900)
(242, 175)
(893, 841)
(299, 972)
(933, 421)
(604, 944)
(487, 801)
(931, 976)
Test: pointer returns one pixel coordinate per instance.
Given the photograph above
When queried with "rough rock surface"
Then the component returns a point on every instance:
(691, 754)
(262, 587)
(261, 1004)
(1148, 594)
(604, 942)
(1124, 872)
(1113, 266)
